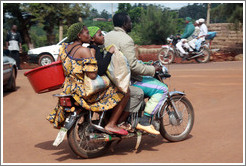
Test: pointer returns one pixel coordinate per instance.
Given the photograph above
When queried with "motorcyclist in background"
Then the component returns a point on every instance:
(202, 34)
(193, 38)
(189, 29)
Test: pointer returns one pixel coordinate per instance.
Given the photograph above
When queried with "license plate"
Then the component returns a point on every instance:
(60, 136)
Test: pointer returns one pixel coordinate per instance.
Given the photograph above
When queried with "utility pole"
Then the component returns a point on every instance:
(112, 10)
(208, 13)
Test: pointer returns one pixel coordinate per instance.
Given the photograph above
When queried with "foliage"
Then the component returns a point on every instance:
(155, 26)
(105, 26)
(93, 14)
(228, 12)
(38, 23)
(195, 11)
(133, 11)
(55, 14)
(38, 36)
(105, 14)
(14, 13)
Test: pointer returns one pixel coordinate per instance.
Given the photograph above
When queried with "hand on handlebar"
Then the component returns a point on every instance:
(157, 67)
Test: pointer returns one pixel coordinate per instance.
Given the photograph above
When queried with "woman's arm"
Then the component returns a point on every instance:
(86, 53)
(103, 62)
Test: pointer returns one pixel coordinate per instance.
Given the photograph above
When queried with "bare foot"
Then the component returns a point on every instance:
(112, 128)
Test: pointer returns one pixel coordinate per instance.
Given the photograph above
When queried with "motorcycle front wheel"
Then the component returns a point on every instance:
(79, 142)
(171, 128)
(205, 57)
(166, 56)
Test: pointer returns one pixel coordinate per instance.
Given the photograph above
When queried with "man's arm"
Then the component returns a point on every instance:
(20, 41)
(128, 49)
(189, 31)
(7, 41)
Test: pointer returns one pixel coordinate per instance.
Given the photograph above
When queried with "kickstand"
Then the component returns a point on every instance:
(139, 138)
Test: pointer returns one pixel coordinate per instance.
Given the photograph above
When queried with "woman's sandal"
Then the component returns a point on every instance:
(120, 132)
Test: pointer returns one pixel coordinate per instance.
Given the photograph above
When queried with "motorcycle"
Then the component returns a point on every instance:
(88, 138)
(168, 52)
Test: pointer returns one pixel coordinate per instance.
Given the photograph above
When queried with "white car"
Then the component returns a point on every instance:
(47, 54)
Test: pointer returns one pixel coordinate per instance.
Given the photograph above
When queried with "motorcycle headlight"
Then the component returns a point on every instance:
(164, 70)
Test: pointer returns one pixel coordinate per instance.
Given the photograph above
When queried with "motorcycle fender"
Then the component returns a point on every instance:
(60, 136)
(70, 121)
(172, 93)
(171, 49)
(165, 46)
(63, 131)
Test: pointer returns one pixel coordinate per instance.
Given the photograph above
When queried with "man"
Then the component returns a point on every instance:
(202, 34)
(193, 38)
(120, 38)
(189, 29)
(13, 44)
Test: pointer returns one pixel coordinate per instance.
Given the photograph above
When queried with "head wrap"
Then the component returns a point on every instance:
(197, 21)
(188, 19)
(93, 30)
(201, 20)
(74, 30)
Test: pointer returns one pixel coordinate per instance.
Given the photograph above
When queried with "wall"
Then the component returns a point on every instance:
(226, 39)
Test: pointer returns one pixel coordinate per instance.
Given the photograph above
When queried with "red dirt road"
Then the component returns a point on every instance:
(214, 89)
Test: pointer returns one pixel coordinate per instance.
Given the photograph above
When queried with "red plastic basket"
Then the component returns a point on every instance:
(46, 78)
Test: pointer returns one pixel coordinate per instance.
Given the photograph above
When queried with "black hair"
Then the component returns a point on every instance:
(119, 19)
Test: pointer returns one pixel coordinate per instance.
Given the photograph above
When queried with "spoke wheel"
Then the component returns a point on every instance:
(79, 141)
(173, 129)
(166, 56)
(205, 57)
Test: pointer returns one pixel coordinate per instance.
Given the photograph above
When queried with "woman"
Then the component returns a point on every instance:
(78, 61)
(103, 59)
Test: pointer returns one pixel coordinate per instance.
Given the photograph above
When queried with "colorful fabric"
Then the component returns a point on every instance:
(74, 30)
(74, 70)
(93, 30)
(154, 89)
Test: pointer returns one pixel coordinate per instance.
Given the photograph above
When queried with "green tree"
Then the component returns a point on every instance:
(93, 13)
(195, 11)
(14, 13)
(228, 12)
(124, 7)
(105, 14)
(155, 26)
(57, 14)
(135, 14)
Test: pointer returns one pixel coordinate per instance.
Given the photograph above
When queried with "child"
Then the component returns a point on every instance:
(97, 40)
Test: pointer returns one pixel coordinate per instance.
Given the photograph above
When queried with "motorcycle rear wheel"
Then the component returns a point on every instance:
(79, 143)
(179, 131)
(205, 57)
(166, 56)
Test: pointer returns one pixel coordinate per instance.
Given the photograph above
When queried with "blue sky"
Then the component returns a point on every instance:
(107, 6)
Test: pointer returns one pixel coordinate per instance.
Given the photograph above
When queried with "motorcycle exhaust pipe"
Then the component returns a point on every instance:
(195, 56)
(102, 137)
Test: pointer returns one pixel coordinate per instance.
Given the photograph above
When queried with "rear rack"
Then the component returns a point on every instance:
(58, 95)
